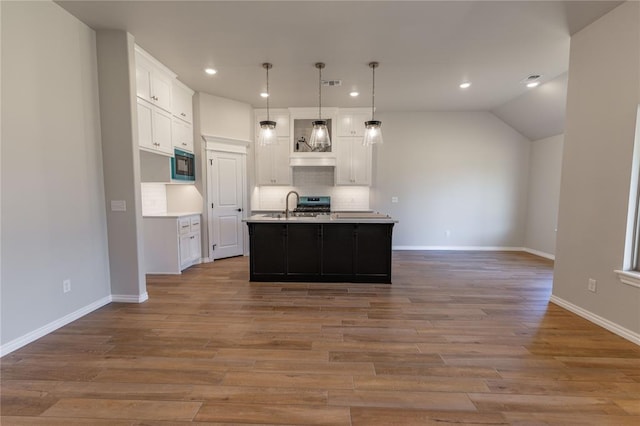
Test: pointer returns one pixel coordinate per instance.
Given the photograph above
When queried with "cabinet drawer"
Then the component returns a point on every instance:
(184, 226)
(195, 224)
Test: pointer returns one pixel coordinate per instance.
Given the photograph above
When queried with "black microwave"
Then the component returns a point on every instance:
(183, 166)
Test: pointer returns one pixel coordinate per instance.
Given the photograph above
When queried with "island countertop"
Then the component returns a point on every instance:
(345, 217)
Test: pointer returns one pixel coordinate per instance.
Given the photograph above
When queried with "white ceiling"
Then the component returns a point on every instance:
(425, 48)
(538, 113)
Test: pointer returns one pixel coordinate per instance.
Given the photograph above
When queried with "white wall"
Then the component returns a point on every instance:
(462, 172)
(183, 198)
(545, 165)
(53, 206)
(602, 103)
(223, 118)
(121, 158)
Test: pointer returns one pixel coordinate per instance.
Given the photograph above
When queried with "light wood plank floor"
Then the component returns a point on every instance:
(459, 338)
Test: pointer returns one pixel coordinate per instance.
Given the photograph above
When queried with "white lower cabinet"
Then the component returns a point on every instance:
(171, 243)
(190, 250)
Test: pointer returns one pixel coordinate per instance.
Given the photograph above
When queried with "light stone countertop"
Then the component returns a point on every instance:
(171, 215)
(322, 218)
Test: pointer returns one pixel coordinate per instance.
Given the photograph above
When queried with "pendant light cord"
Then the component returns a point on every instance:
(320, 93)
(268, 94)
(373, 94)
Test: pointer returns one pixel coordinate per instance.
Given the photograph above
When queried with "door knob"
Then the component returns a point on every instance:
(239, 210)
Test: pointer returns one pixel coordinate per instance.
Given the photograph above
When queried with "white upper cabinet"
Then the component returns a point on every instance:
(182, 102)
(154, 128)
(159, 96)
(353, 162)
(182, 135)
(351, 123)
(153, 84)
(272, 163)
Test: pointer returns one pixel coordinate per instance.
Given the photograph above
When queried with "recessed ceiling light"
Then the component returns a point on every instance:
(465, 85)
(210, 71)
(264, 94)
(532, 80)
(353, 94)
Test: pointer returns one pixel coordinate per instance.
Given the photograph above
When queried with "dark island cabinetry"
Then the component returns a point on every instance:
(320, 252)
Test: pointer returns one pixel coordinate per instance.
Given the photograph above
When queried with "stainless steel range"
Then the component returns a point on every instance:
(313, 206)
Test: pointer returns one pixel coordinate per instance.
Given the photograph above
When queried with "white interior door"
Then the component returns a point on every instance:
(226, 180)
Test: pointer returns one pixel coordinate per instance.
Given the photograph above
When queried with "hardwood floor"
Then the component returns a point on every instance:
(458, 338)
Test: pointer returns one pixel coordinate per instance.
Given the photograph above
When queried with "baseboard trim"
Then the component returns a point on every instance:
(475, 248)
(127, 298)
(458, 248)
(596, 319)
(539, 253)
(34, 335)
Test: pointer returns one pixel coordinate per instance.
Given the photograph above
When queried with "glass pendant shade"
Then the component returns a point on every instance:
(319, 139)
(372, 128)
(268, 133)
(319, 135)
(372, 133)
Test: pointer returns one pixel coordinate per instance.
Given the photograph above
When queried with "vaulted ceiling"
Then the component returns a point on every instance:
(425, 49)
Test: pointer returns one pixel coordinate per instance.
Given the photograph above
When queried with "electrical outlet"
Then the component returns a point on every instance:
(66, 286)
(592, 286)
(447, 233)
(394, 199)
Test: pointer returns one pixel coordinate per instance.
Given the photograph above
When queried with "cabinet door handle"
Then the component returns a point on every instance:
(239, 210)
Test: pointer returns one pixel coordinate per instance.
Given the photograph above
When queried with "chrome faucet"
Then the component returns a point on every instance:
(286, 207)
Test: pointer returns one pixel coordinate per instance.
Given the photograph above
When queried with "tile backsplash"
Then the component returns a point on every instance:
(345, 198)
(312, 176)
(154, 198)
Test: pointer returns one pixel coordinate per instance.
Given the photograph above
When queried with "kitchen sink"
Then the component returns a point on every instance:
(278, 215)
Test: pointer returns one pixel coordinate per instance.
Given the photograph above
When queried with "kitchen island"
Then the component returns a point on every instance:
(325, 248)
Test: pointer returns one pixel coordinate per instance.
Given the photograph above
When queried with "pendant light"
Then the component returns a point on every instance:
(320, 134)
(373, 133)
(268, 134)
